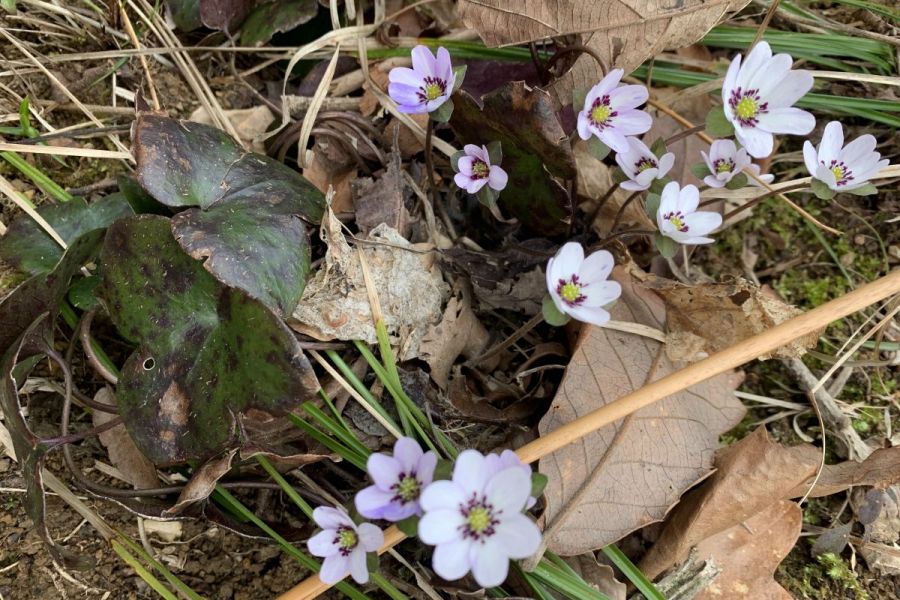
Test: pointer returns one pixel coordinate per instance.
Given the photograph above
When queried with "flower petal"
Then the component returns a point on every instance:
(568, 260)
(793, 86)
(405, 76)
(497, 178)
(715, 182)
(334, 568)
(688, 199)
(404, 94)
(475, 185)
(787, 120)
(756, 61)
(628, 96)
(519, 536)
(462, 180)
(632, 185)
(451, 560)
(730, 83)
(601, 293)
(632, 122)
(491, 563)
(810, 158)
(372, 502)
(423, 61)
(825, 175)
(830, 146)
(443, 67)
(407, 453)
(442, 495)
(768, 80)
(440, 526)
(327, 517)
(604, 86)
(596, 267)
(584, 131)
(425, 468)
(666, 162)
(509, 489)
(614, 138)
(358, 569)
(758, 143)
(371, 537)
(668, 201)
(703, 222)
(383, 469)
(323, 543)
(858, 150)
(592, 315)
(470, 473)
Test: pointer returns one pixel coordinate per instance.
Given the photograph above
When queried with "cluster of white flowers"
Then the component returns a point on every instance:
(476, 520)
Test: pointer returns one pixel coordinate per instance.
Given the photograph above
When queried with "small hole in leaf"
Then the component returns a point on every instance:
(149, 364)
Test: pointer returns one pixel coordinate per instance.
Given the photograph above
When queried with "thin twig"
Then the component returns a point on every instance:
(621, 212)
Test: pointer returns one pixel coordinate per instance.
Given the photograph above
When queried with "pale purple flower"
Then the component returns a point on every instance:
(427, 85)
(475, 521)
(725, 160)
(343, 544)
(610, 112)
(578, 286)
(641, 166)
(505, 460)
(679, 219)
(840, 167)
(476, 170)
(758, 98)
(399, 481)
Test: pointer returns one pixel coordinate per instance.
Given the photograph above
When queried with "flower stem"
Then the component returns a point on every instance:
(684, 133)
(621, 212)
(429, 161)
(758, 199)
(512, 339)
(609, 193)
(605, 241)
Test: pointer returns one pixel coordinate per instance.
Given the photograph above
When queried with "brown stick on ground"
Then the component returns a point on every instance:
(655, 391)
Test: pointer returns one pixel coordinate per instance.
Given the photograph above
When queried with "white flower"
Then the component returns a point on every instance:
(399, 480)
(476, 170)
(505, 460)
(842, 167)
(475, 520)
(579, 286)
(641, 165)
(758, 98)
(725, 160)
(426, 86)
(679, 219)
(343, 544)
(609, 112)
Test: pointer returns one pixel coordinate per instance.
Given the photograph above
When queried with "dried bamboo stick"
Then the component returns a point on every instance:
(655, 391)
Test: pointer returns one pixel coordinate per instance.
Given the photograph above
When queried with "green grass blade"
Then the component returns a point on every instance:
(142, 572)
(285, 486)
(173, 579)
(50, 187)
(634, 575)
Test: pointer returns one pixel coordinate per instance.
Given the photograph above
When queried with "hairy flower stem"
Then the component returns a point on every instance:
(621, 212)
(758, 199)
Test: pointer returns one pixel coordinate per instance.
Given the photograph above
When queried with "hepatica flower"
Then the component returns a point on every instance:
(343, 544)
(679, 219)
(476, 170)
(842, 168)
(610, 112)
(578, 286)
(425, 87)
(475, 520)
(399, 481)
(725, 160)
(758, 98)
(641, 165)
(505, 460)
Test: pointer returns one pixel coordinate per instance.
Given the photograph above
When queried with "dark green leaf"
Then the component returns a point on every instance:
(276, 17)
(460, 73)
(737, 182)
(700, 170)
(538, 483)
(865, 190)
(83, 293)
(443, 112)
(185, 13)
(552, 315)
(717, 124)
(651, 205)
(443, 470)
(27, 247)
(821, 190)
(657, 185)
(248, 225)
(598, 149)
(207, 353)
(495, 152)
(666, 245)
(225, 15)
(141, 202)
(536, 151)
(659, 146)
(454, 160)
(579, 95)
(487, 196)
(409, 526)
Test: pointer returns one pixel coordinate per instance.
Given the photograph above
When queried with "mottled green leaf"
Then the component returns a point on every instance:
(717, 124)
(821, 190)
(28, 248)
(274, 17)
(737, 182)
(248, 225)
(207, 353)
(185, 14)
(666, 245)
(537, 154)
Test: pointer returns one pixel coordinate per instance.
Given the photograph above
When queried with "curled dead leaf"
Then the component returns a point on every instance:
(124, 455)
(628, 474)
(459, 333)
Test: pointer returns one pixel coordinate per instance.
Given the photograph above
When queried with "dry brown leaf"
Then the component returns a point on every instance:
(749, 553)
(594, 181)
(459, 333)
(249, 123)
(750, 475)
(202, 483)
(124, 455)
(601, 577)
(382, 200)
(624, 33)
(409, 285)
(318, 175)
(881, 469)
(707, 318)
(628, 474)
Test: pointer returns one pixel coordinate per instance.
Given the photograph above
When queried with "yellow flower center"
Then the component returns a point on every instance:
(570, 292)
(747, 108)
(479, 519)
(480, 169)
(433, 91)
(408, 489)
(347, 538)
(838, 172)
(724, 166)
(600, 113)
(677, 221)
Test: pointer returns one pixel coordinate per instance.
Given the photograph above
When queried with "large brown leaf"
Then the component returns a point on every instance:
(749, 477)
(627, 474)
(624, 33)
